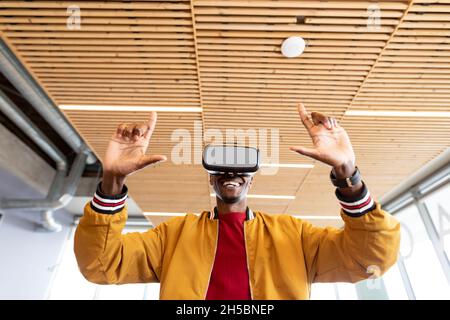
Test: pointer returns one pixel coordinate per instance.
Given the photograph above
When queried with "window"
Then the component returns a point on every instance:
(393, 282)
(438, 206)
(423, 268)
(333, 291)
(69, 283)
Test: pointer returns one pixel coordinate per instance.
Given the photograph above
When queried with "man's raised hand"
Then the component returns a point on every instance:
(331, 142)
(126, 153)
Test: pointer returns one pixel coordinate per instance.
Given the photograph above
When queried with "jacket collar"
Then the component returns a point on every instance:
(249, 215)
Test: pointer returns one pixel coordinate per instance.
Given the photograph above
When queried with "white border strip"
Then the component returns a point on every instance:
(356, 202)
(109, 200)
(107, 208)
(359, 210)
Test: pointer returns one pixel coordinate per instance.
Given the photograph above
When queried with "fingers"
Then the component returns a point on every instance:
(127, 131)
(327, 122)
(304, 116)
(151, 159)
(132, 131)
(309, 152)
(317, 118)
(151, 123)
(139, 130)
(320, 118)
(120, 128)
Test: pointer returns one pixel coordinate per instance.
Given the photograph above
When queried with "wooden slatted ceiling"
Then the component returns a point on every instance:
(224, 56)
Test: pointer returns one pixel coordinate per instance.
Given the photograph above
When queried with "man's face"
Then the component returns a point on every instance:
(229, 187)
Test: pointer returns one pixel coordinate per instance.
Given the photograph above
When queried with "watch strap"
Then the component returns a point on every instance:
(346, 182)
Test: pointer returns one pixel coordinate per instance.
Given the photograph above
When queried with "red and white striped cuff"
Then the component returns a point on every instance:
(356, 206)
(103, 203)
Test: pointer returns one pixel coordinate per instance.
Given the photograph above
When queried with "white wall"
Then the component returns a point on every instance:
(28, 255)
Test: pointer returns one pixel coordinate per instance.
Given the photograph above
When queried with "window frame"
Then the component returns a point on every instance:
(415, 196)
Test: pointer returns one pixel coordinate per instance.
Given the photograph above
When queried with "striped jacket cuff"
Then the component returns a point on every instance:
(356, 206)
(103, 203)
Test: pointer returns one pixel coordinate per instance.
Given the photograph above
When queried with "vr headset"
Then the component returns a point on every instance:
(222, 159)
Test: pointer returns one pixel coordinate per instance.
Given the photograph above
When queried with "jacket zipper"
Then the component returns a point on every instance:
(248, 268)
(214, 259)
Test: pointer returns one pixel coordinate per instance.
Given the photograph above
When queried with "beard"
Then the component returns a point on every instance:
(231, 199)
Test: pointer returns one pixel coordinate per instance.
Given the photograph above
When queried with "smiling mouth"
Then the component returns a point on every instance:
(231, 184)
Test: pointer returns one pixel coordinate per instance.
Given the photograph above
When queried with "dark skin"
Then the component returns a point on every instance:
(231, 198)
(331, 145)
(126, 154)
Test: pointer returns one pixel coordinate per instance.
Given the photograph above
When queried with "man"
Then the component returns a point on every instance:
(232, 252)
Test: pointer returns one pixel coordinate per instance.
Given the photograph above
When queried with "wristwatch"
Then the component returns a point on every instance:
(346, 182)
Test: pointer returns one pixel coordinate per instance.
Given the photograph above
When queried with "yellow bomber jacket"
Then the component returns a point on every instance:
(284, 254)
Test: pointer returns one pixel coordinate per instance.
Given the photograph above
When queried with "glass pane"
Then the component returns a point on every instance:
(438, 205)
(70, 284)
(122, 292)
(323, 291)
(394, 284)
(347, 291)
(421, 262)
(152, 291)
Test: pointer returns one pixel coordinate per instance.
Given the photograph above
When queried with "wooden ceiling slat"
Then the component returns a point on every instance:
(272, 36)
(391, 5)
(440, 37)
(97, 13)
(93, 30)
(206, 61)
(423, 34)
(133, 66)
(118, 87)
(94, 21)
(217, 54)
(148, 83)
(149, 71)
(245, 19)
(343, 11)
(64, 37)
(134, 61)
(291, 28)
(335, 70)
(118, 76)
(428, 53)
(84, 54)
(346, 20)
(97, 5)
(275, 78)
(158, 43)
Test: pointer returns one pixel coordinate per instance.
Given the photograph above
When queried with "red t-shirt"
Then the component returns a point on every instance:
(229, 277)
